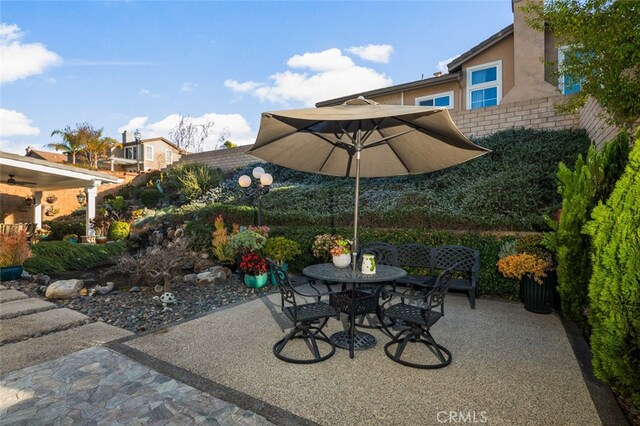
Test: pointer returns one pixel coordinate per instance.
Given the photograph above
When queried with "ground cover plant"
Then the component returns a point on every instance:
(510, 189)
(60, 256)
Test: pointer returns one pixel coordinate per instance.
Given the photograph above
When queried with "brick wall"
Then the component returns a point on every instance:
(593, 120)
(226, 159)
(531, 114)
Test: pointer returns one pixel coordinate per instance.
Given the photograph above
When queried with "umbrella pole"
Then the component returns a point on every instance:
(354, 253)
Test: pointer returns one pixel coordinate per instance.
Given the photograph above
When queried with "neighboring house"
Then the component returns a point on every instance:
(54, 157)
(500, 83)
(155, 153)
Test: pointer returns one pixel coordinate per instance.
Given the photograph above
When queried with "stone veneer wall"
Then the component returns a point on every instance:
(530, 114)
(226, 159)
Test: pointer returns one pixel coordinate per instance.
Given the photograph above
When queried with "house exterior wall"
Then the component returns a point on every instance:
(411, 95)
(158, 161)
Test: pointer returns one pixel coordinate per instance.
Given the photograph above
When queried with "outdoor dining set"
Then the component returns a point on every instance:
(403, 306)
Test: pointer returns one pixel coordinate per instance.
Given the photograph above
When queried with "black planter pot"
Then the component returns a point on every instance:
(538, 298)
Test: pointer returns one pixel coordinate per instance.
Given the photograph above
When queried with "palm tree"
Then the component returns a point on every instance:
(71, 142)
(98, 146)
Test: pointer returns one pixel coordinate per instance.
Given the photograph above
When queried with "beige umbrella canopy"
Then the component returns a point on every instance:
(362, 138)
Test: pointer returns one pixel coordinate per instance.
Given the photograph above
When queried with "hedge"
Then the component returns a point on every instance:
(491, 282)
(59, 256)
(60, 228)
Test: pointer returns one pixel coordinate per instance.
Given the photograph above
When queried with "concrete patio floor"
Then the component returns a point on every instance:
(510, 367)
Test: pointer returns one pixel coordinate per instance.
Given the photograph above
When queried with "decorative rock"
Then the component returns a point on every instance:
(179, 233)
(135, 289)
(204, 255)
(214, 275)
(42, 289)
(158, 289)
(190, 278)
(156, 238)
(25, 275)
(43, 279)
(105, 289)
(171, 234)
(64, 289)
(157, 301)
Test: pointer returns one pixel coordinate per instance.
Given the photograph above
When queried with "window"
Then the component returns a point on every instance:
(130, 153)
(567, 84)
(168, 157)
(484, 85)
(148, 153)
(444, 99)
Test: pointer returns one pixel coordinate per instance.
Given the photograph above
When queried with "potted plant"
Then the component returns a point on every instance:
(533, 266)
(322, 245)
(43, 233)
(100, 225)
(255, 270)
(14, 250)
(341, 253)
(281, 250)
(72, 238)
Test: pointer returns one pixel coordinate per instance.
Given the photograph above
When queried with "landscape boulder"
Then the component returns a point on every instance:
(64, 289)
(213, 275)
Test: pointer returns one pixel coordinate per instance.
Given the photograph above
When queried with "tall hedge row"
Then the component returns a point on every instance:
(614, 289)
(590, 182)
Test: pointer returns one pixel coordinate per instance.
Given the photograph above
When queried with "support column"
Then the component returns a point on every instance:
(37, 208)
(92, 192)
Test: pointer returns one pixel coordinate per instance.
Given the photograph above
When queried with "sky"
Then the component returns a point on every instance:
(127, 65)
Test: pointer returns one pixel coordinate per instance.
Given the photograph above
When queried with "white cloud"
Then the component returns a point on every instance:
(442, 65)
(14, 123)
(327, 60)
(21, 60)
(333, 75)
(373, 52)
(238, 127)
(188, 87)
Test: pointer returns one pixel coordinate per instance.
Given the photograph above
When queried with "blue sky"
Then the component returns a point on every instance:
(139, 64)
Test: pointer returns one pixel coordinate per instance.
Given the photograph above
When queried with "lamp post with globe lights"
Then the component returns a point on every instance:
(138, 138)
(262, 182)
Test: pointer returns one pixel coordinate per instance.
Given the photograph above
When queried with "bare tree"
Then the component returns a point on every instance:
(189, 135)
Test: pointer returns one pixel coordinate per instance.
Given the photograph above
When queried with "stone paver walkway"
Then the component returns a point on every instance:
(99, 386)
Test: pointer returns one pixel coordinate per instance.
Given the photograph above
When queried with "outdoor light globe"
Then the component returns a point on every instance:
(137, 135)
(244, 181)
(266, 179)
(257, 172)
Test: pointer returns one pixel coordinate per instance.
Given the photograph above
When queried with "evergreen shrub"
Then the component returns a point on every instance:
(118, 231)
(591, 181)
(150, 198)
(59, 256)
(614, 289)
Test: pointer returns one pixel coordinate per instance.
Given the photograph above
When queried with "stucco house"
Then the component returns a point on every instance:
(500, 83)
(155, 153)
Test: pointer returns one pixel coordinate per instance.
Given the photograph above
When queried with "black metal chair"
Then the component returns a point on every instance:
(308, 319)
(367, 296)
(418, 313)
(467, 264)
(416, 256)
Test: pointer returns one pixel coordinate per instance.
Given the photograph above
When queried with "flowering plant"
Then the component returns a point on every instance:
(260, 230)
(340, 246)
(44, 231)
(322, 245)
(253, 264)
(521, 264)
(220, 239)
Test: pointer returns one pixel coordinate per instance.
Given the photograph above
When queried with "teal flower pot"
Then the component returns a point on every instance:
(272, 278)
(10, 273)
(255, 281)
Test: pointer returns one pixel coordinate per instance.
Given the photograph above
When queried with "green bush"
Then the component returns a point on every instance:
(60, 228)
(242, 215)
(118, 231)
(60, 256)
(614, 289)
(491, 282)
(192, 181)
(591, 181)
(150, 198)
(118, 204)
(199, 235)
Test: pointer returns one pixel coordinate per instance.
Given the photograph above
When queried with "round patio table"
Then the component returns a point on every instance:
(327, 272)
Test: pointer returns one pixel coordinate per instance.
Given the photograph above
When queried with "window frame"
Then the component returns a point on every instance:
(449, 93)
(168, 156)
(561, 77)
(146, 147)
(133, 151)
(497, 83)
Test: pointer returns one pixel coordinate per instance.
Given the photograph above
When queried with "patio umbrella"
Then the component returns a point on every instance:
(362, 138)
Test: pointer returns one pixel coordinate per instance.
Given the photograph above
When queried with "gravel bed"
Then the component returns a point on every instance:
(138, 312)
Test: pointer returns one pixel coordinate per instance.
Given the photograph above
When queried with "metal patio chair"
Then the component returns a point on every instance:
(308, 319)
(418, 313)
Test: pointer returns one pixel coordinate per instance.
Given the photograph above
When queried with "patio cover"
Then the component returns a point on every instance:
(50, 176)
